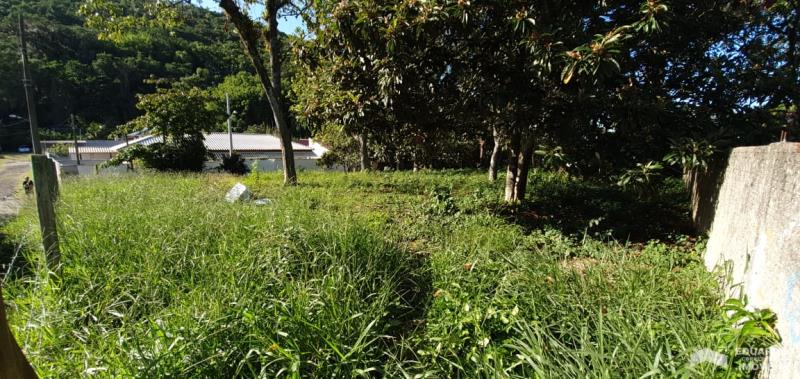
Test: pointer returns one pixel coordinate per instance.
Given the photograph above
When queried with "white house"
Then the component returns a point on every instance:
(262, 148)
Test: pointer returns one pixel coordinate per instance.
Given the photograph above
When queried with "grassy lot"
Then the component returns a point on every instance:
(376, 275)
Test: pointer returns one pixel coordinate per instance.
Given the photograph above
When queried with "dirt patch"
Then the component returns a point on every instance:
(579, 265)
(12, 170)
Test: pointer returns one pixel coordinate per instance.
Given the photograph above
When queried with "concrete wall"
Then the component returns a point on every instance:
(756, 229)
(102, 157)
(87, 167)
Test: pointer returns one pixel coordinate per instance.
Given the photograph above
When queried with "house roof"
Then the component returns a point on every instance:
(141, 140)
(247, 142)
(87, 146)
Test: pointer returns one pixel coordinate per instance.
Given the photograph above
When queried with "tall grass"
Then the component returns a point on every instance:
(404, 274)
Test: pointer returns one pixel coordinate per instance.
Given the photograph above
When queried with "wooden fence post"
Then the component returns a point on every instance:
(13, 363)
(46, 182)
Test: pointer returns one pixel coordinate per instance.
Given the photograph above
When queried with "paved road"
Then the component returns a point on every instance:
(12, 171)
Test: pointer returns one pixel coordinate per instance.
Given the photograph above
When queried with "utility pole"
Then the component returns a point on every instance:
(230, 130)
(28, 84)
(75, 137)
(45, 176)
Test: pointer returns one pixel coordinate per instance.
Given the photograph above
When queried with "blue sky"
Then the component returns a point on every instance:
(286, 24)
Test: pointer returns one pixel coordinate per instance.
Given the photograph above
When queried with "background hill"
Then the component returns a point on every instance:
(75, 72)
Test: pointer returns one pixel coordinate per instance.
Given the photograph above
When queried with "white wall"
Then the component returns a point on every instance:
(273, 164)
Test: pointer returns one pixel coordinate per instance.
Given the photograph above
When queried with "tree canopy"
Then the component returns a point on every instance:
(598, 87)
(608, 85)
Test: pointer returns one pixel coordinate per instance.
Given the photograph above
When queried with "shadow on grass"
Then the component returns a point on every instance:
(579, 207)
(12, 260)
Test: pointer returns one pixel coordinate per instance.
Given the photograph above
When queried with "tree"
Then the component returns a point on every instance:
(251, 34)
(341, 71)
(247, 100)
(178, 115)
(525, 63)
(117, 22)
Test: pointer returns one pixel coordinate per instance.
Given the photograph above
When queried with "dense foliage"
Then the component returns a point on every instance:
(439, 83)
(610, 85)
(179, 116)
(370, 275)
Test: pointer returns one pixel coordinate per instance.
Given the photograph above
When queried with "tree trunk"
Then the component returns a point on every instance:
(525, 158)
(481, 151)
(495, 154)
(363, 151)
(13, 363)
(513, 163)
(249, 34)
(398, 160)
(428, 148)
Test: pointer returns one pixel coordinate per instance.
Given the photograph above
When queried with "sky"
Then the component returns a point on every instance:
(287, 25)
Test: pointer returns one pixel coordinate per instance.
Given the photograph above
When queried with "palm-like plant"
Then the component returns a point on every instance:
(553, 158)
(691, 154)
(641, 179)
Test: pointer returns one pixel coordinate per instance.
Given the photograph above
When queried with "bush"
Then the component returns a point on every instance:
(234, 164)
(642, 180)
(187, 154)
(61, 150)
(441, 202)
(690, 154)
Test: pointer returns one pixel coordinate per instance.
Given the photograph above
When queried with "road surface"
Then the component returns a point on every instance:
(13, 169)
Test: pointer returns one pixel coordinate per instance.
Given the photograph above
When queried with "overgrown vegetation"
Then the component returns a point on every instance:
(424, 274)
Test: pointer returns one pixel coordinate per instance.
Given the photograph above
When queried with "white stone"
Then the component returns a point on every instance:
(263, 202)
(239, 192)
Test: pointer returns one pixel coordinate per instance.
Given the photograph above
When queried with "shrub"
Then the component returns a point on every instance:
(343, 148)
(690, 154)
(60, 149)
(642, 179)
(187, 154)
(552, 158)
(234, 164)
(441, 202)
